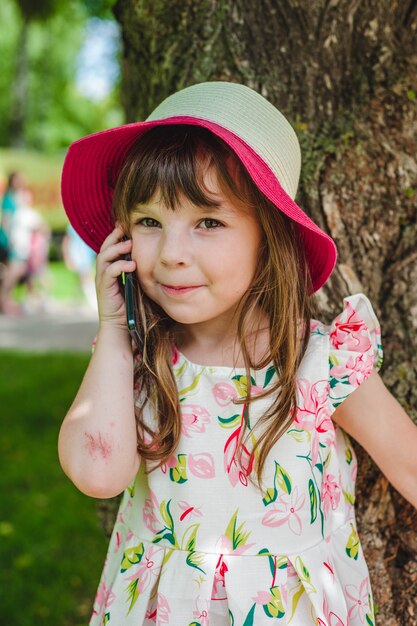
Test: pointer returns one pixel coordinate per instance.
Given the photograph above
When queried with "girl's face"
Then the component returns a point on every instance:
(196, 262)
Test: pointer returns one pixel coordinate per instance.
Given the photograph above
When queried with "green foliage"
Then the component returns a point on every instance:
(51, 545)
(57, 113)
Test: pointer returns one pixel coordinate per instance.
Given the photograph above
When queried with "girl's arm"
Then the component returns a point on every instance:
(97, 441)
(378, 422)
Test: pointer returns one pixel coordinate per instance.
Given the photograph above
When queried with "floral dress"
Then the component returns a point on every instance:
(197, 543)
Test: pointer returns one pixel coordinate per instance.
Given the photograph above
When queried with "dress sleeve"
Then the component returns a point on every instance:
(355, 347)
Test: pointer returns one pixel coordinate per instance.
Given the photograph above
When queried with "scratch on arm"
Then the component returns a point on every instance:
(97, 446)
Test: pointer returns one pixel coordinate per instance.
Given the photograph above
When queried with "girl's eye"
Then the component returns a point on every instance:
(148, 222)
(210, 223)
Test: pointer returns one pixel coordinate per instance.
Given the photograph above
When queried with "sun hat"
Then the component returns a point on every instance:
(257, 132)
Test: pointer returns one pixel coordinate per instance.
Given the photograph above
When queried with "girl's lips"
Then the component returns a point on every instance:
(178, 291)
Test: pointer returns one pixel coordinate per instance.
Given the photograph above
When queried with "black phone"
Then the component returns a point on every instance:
(132, 293)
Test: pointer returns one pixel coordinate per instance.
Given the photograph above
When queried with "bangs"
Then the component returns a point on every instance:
(171, 161)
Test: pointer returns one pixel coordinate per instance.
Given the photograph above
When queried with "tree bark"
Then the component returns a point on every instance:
(344, 73)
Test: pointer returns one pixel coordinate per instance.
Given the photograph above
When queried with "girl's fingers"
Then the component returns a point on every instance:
(118, 249)
(115, 236)
(115, 269)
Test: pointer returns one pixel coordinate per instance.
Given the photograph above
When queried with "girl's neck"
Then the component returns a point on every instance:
(220, 349)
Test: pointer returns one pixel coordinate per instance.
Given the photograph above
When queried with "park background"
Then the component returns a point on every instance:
(344, 72)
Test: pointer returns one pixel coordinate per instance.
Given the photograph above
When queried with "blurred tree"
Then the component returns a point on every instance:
(345, 73)
(30, 11)
(40, 102)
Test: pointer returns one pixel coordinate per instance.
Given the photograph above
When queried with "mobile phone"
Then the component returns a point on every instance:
(131, 293)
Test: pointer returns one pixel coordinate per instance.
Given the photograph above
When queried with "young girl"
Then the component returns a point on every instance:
(224, 429)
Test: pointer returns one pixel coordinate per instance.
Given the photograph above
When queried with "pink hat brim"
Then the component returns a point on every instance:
(93, 164)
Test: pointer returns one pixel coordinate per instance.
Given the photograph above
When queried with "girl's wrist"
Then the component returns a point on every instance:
(114, 332)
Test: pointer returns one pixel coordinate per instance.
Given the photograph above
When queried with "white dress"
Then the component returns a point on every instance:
(197, 544)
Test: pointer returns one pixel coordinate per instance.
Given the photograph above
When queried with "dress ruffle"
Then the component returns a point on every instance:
(355, 347)
(149, 584)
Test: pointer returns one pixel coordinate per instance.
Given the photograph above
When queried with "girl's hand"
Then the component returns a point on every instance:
(110, 265)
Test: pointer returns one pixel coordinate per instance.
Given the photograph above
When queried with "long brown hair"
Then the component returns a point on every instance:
(171, 160)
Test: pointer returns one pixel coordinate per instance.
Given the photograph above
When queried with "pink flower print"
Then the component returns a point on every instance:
(175, 355)
(350, 332)
(331, 618)
(118, 542)
(359, 600)
(361, 368)
(194, 419)
(104, 597)
(163, 610)
(223, 393)
(314, 325)
(147, 570)
(313, 413)
(188, 510)
(330, 493)
(237, 471)
(202, 465)
(285, 511)
(201, 613)
(219, 585)
(263, 597)
(149, 517)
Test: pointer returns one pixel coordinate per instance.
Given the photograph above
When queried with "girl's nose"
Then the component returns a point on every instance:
(175, 249)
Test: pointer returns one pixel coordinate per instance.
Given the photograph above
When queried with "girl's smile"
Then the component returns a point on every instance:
(179, 290)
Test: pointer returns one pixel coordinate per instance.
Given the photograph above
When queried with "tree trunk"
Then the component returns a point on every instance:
(344, 73)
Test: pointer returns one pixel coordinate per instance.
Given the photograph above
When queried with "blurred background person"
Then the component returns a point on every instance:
(28, 239)
(9, 203)
(80, 258)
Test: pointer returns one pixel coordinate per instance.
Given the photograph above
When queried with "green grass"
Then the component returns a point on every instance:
(61, 284)
(51, 545)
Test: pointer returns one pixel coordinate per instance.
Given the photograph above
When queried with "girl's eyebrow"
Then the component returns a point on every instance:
(145, 208)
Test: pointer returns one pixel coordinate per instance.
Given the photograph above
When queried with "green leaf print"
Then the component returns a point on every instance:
(270, 495)
(348, 455)
(269, 374)
(349, 497)
(281, 562)
(352, 545)
(189, 537)
(299, 435)
(168, 531)
(230, 422)
(369, 620)
(249, 618)
(282, 478)
(106, 619)
(304, 575)
(266, 552)
(166, 514)
(241, 384)
(236, 536)
(275, 607)
(132, 594)
(313, 501)
(131, 556)
(186, 390)
(295, 600)
(195, 559)
(178, 474)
